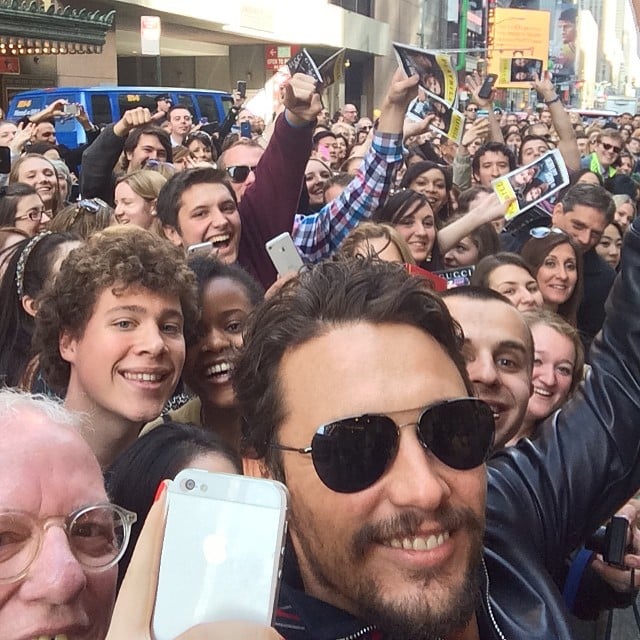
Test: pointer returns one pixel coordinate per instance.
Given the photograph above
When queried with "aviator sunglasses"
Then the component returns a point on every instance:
(611, 147)
(239, 173)
(352, 454)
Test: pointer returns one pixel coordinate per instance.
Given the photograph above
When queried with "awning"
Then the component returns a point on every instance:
(68, 30)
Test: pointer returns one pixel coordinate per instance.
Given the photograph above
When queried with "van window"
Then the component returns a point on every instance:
(208, 107)
(100, 109)
(127, 101)
(186, 100)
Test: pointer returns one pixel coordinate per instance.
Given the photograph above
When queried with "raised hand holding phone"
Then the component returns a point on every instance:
(213, 566)
(131, 619)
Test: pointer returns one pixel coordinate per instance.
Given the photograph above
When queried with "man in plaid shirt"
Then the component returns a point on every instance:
(318, 235)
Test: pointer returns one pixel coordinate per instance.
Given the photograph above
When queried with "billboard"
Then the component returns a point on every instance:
(564, 34)
(516, 36)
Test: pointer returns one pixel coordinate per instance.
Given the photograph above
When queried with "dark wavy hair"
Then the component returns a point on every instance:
(329, 294)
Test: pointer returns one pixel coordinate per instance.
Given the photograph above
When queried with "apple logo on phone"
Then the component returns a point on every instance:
(215, 548)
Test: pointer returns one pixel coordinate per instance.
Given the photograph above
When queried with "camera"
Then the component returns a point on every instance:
(610, 541)
(190, 484)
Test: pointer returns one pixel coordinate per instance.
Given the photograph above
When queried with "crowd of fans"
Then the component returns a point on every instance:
(137, 291)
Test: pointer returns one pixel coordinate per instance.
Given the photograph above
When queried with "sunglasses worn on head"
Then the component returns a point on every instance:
(608, 147)
(352, 454)
(240, 172)
(543, 232)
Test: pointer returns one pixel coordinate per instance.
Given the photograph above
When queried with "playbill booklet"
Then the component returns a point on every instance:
(439, 81)
(533, 183)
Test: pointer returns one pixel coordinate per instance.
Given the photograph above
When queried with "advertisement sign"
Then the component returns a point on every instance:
(517, 34)
(10, 65)
(564, 33)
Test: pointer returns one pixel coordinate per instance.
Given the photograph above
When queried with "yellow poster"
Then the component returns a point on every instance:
(516, 34)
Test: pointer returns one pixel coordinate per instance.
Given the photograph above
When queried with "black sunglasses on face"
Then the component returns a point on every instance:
(608, 147)
(240, 172)
(472, 108)
(352, 454)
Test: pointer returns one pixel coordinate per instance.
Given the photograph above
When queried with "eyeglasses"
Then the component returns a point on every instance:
(352, 454)
(471, 108)
(543, 232)
(98, 536)
(365, 127)
(239, 173)
(608, 147)
(35, 215)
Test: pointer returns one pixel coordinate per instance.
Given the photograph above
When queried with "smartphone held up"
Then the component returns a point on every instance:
(222, 551)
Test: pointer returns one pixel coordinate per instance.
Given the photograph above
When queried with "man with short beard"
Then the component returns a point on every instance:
(354, 393)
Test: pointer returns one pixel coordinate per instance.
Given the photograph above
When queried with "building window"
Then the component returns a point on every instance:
(363, 7)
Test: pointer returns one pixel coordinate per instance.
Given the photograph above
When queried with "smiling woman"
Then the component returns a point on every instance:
(557, 367)
(226, 295)
(557, 265)
(37, 171)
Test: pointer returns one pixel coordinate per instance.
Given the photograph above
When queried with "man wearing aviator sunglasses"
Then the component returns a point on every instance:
(354, 393)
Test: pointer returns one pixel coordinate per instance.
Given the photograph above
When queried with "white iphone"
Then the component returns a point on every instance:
(222, 551)
(283, 254)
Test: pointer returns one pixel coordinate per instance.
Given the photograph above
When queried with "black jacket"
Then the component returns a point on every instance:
(545, 496)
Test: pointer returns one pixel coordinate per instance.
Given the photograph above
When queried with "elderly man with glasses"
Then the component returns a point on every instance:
(61, 538)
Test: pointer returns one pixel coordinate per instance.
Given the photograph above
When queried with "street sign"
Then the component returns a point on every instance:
(277, 56)
(150, 35)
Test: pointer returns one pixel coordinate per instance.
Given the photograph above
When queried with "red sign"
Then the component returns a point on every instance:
(277, 56)
(10, 65)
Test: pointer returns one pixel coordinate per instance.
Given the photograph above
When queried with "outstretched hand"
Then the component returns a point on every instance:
(544, 86)
(474, 82)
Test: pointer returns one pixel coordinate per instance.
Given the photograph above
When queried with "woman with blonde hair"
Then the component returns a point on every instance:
(136, 195)
(558, 364)
(376, 240)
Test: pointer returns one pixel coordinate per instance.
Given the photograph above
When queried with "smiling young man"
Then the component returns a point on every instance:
(111, 333)
(396, 528)
(498, 352)
(267, 189)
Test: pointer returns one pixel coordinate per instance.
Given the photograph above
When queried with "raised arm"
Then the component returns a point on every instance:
(586, 460)
(489, 210)
(268, 206)
(567, 144)
(319, 235)
(100, 157)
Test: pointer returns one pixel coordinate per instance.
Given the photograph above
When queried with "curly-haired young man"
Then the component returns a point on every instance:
(111, 333)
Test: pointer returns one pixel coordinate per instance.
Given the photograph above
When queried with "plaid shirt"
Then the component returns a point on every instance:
(318, 235)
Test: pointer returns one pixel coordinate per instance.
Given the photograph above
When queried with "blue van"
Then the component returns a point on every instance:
(107, 104)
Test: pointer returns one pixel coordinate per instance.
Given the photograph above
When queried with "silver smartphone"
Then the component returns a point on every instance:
(198, 247)
(222, 551)
(283, 254)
